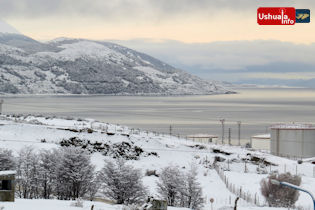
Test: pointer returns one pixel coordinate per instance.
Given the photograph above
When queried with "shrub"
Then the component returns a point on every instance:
(280, 196)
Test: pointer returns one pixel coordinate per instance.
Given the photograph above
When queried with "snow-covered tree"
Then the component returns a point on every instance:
(94, 186)
(75, 173)
(7, 160)
(180, 189)
(122, 183)
(194, 198)
(66, 173)
(28, 174)
(47, 171)
(171, 185)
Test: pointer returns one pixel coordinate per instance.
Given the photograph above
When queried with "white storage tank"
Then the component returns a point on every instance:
(293, 140)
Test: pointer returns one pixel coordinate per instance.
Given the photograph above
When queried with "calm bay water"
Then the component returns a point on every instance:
(256, 108)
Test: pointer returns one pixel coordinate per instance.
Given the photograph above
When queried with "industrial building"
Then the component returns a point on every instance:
(203, 138)
(293, 140)
(260, 142)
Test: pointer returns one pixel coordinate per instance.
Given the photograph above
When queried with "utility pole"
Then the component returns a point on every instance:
(171, 130)
(1, 102)
(239, 132)
(230, 131)
(222, 124)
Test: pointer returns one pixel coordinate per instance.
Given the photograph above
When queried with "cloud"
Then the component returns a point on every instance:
(306, 83)
(233, 60)
(132, 9)
(232, 55)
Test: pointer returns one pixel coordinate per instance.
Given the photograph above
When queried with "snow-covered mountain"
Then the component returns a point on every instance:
(78, 66)
(6, 28)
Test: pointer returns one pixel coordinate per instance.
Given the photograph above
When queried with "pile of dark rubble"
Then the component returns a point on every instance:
(125, 150)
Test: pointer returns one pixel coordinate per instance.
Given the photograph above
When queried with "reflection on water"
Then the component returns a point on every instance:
(256, 108)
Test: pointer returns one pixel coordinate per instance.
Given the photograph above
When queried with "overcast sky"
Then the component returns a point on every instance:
(215, 39)
(234, 61)
(182, 20)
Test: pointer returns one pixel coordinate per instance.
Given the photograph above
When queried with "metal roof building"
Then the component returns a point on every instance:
(260, 142)
(293, 140)
(203, 138)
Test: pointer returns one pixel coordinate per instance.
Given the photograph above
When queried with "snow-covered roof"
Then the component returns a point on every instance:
(294, 126)
(202, 136)
(262, 136)
(7, 173)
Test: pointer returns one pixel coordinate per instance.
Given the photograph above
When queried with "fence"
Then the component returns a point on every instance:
(239, 191)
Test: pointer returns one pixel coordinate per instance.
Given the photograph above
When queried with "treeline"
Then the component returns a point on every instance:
(67, 173)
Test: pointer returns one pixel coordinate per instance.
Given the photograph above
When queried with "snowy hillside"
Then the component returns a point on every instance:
(77, 66)
(237, 168)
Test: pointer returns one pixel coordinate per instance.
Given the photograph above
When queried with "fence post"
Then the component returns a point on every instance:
(228, 162)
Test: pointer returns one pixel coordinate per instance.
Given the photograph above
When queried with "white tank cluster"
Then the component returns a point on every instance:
(293, 140)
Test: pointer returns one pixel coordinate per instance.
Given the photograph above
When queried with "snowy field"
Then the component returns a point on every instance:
(16, 132)
(24, 204)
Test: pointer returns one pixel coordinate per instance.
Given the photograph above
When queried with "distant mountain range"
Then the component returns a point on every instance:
(79, 66)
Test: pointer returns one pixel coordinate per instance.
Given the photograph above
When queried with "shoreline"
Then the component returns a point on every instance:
(91, 95)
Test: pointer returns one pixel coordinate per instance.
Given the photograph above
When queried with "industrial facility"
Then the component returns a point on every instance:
(203, 138)
(293, 140)
(260, 142)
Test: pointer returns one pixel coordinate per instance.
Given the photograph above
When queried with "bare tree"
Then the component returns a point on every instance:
(193, 190)
(94, 186)
(180, 189)
(75, 173)
(122, 183)
(7, 160)
(27, 174)
(48, 164)
(171, 185)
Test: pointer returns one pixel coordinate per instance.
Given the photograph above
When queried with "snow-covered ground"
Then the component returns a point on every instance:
(24, 204)
(41, 132)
